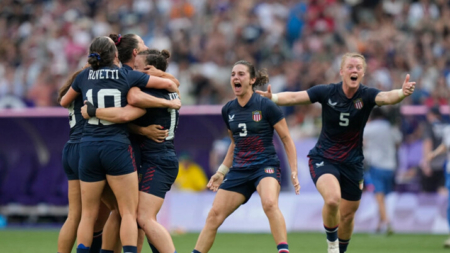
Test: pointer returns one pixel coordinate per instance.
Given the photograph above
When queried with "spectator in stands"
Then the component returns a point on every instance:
(191, 176)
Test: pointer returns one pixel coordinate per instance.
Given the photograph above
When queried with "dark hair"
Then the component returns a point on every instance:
(101, 52)
(63, 90)
(156, 58)
(261, 75)
(378, 113)
(125, 45)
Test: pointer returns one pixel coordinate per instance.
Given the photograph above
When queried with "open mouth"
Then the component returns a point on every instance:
(354, 78)
(237, 85)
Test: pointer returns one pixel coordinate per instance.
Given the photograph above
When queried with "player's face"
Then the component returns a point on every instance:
(139, 63)
(141, 44)
(240, 80)
(352, 72)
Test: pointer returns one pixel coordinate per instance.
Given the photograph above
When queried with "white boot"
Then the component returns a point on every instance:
(447, 243)
(333, 247)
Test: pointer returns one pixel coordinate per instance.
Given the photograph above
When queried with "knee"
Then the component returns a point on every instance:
(269, 205)
(332, 201)
(143, 219)
(347, 217)
(215, 218)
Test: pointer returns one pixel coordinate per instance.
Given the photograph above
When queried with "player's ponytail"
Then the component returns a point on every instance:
(125, 45)
(101, 52)
(261, 75)
(156, 58)
(63, 90)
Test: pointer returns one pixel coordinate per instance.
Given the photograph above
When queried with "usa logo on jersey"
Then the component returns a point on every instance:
(358, 103)
(257, 116)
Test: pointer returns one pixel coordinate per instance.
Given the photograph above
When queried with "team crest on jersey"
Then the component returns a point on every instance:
(269, 170)
(358, 103)
(257, 116)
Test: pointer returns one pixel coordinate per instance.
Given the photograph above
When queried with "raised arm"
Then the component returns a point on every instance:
(286, 98)
(138, 98)
(283, 131)
(69, 97)
(218, 177)
(396, 96)
(112, 114)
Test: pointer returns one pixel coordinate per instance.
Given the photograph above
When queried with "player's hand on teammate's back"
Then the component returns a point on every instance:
(215, 181)
(84, 112)
(88, 110)
(267, 94)
(408, 87)
(156, 133)
(175, 104)
(295, 183)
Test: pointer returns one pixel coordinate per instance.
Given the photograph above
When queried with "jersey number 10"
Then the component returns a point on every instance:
(101, 94)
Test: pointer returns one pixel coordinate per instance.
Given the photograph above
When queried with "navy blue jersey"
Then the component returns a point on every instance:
(167, 118)
(76, 120)
(107, 87)
(252, 128)
(343, 121)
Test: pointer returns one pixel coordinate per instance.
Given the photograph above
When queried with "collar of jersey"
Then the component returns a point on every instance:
(126, 67)
(341, 91)
(248, 103)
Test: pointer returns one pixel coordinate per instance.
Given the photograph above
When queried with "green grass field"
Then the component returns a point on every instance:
(44, 241)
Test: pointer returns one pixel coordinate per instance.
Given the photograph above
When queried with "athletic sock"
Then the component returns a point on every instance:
(106, 251)
(331, 233)
(82, 249)
(343, 244)
(283, 247)
(195, 251)
(96, 242)
(129, 249)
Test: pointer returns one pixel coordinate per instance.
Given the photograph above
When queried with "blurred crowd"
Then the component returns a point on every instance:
(299, 42)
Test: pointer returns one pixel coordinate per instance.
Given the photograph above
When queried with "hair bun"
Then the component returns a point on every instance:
(114, 37)
(165, 53)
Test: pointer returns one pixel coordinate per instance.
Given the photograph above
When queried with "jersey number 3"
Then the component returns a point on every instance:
(243, 133)
(343, 119)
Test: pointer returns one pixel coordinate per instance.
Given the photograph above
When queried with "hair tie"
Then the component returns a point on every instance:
(118, 39)
(95, 55)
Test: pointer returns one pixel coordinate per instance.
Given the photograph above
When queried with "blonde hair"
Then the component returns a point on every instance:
(354, 55)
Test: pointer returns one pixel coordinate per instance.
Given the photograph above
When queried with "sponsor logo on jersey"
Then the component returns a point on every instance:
(269, 170)
(320, 164)
(257, 116)
(230, 118)
(358, 103)
(331, 103)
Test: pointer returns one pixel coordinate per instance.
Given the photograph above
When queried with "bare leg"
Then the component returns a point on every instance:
(148, 208)
(68, 232)
(224, 204)
(90, 197)
(329, 188)
(269, 190)
(348, 210)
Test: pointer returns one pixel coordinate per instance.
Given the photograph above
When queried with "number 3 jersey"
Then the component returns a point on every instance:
(343, 121)
(107, 87)
(167, 118)
(252, 128)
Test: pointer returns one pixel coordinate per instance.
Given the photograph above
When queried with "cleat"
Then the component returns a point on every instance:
(333, 247)
(447, 243)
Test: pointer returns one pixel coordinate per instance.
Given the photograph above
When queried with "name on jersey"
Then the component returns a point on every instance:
(103, 74)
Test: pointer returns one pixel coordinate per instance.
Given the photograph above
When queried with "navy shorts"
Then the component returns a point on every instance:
(246, 181)
(101, 158)
(350, 177)
(70, 160)
(383, 180)
(158, 173)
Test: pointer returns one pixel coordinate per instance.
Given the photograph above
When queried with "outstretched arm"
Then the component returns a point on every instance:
(138, 98)
(218, 177)
(283, 131)
(112, 114)
(396, 96)
(286, 98)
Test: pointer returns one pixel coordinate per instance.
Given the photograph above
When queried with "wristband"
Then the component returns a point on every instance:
(274, 98)
(91, 109)
(223, 169)
(400, 93)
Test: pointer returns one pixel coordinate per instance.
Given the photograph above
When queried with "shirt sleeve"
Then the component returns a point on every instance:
(224, 115)
(272, 112)
(76, 85)
(371, 93)
(137, 79)
(317, 92)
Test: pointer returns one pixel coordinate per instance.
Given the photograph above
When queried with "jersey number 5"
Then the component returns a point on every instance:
(344, 121)
(101, 94)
